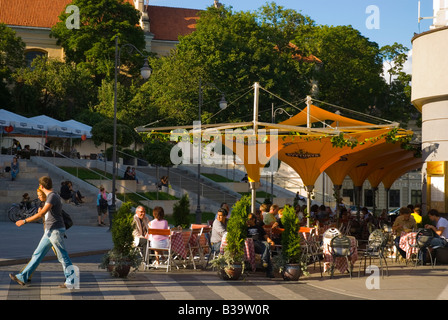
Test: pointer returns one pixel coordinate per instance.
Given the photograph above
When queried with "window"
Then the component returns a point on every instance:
(348, 193)
(416, 197)
(394, 198)
(30, 55)
(368, 198)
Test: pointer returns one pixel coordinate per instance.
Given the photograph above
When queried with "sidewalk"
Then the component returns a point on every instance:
(17, 244)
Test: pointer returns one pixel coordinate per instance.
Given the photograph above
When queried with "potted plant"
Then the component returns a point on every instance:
(290, 258)
(123, 255)
(230, 264)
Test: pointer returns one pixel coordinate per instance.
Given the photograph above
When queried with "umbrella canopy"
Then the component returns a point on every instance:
(79, 127)
(57, 128)
(20, 123)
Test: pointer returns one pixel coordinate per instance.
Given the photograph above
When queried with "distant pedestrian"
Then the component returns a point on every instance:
(53, 236)
(101, 206)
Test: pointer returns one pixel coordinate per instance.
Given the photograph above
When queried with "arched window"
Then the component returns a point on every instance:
(32, 54)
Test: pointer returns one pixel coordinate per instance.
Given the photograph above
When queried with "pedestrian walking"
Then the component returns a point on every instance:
(53, 236)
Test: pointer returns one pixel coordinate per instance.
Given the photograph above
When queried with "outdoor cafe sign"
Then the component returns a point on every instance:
(301, 154)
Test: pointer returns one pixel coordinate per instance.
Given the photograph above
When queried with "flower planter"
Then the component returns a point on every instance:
(231, 273)
(292, 272)
(121, 271)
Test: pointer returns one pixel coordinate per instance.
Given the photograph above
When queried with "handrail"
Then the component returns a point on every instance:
(186, 177)
(83, 166)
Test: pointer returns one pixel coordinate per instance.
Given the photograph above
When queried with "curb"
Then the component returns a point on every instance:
(12, 262)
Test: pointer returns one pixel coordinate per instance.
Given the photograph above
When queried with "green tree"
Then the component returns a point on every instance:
(350, 75)
(11, 57)
(232, 50)
(53, 87)
(93, 44)
(104, 132)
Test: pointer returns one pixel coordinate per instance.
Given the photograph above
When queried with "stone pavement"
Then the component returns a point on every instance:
(86, 245)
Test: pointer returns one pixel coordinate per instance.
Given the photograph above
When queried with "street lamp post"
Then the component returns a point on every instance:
(222, 105)
(146, 73)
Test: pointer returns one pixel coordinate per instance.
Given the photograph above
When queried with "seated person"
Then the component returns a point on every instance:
(127, 174)
(66, 193)
(15, 168)
(158, 241)
(141, 225)
(404, 223)
(219, 227)
(245, 178)
(262, 243)
(440, 230)
(26, 201)
(277, 236)
(270, 217)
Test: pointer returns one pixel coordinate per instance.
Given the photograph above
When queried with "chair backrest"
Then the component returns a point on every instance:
(376, 240)
(159, 232)
(331, 233)
(424, 237)
(340, 245)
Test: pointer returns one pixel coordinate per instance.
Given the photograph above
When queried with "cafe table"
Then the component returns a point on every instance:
(407, 243)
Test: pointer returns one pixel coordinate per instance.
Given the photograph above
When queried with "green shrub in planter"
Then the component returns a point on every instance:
(123, 255)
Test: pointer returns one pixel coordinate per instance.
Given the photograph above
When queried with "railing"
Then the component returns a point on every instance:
(79, 164)
(194, 180)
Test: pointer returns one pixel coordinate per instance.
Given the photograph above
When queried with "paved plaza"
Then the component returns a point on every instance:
(86, 245)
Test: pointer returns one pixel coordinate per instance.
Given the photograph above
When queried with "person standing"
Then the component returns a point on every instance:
(101, 206)
(218, 229)
(15, 168)
(53, 236)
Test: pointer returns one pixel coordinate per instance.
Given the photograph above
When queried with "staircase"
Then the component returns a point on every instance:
(186, 180)
(27, 182)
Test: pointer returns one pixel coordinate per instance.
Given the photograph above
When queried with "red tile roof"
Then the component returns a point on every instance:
(32, 13)
(168, 23)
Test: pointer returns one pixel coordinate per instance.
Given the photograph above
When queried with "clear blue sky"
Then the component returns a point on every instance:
(397, 18)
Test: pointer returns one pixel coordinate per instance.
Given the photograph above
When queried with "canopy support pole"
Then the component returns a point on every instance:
(254, 184)
(309, 190)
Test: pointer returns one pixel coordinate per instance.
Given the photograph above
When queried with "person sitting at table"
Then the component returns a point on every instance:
(277, 236)
(262, 243)
(140, 232)
(440, 230)
(417, 215)
(158, 241)
(404, 223)
(219, 227)
(270, 217)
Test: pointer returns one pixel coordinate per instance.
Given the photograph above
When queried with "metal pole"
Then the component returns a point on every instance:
(198, 209)
(114, 147)
(308, 104)
(272, 159)
(255, 121)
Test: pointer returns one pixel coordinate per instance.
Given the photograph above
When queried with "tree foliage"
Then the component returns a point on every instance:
(11, 57)
(93, 44)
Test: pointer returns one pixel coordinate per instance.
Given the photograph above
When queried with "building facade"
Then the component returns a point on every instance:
(32, 20)
(430, 97)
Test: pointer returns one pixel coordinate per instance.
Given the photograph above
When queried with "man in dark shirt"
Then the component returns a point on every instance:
(262, 243)
(53, 236)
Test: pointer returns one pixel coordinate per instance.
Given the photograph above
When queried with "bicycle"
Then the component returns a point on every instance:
(20, 211)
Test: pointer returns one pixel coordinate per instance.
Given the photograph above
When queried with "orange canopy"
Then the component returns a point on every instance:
(320, 115)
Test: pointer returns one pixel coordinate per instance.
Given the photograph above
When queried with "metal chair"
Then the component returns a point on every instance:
(423, 240)
(375, 249)
(340, 247)
(312, 252)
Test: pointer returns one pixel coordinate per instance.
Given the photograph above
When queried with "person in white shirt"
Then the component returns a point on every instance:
(440, 229)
